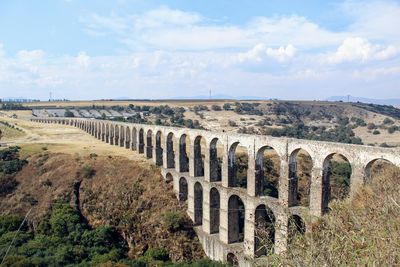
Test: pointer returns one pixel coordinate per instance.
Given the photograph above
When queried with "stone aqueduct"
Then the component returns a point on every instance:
(208, 185)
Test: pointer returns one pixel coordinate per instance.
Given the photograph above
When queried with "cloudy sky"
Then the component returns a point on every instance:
(162, 49)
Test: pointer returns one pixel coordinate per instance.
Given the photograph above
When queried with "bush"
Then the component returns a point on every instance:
(387, 121)
(226, 106)
(173, 221)
(216, 108)
(158, 254)
(88, 171)
(376, 132)
(371, 126)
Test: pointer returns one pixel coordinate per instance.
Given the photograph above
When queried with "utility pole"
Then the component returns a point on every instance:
(348, 98)
(210, 94)
(50, 97)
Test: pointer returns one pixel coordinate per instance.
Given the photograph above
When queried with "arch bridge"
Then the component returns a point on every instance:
(227, 211)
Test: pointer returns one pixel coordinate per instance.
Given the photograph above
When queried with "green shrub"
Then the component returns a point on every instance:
(88, 171)
(157, 254)
(376, 132)
(174, 221)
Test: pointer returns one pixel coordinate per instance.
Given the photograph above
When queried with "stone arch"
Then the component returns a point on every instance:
(127, 137)
(300, 169)
(237, 166)
(335, 179)
(296, 226)
(376, 167)
(134, 138)
(112, 134)
(198, 204)
(159, 149)
(264, 231)
(215, 204)
(170, 151)
(236, 219)
(141, 141)
(149, 144)
(122, 136)
(198, 157)
(183, 155)
(232, 260)
(107, 133)
(103, 131)
(169, 177)
(183, 189)
(215, 160)
(116, 136)
(267, 172)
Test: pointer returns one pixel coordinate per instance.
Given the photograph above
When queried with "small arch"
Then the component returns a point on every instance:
(214, 210)
(116, 136)
(232, 260)
(122, 136)
(264, 231)
(375, 168)
(183, 155)
(170, 151)
(169, 177)
(141, 141)
(149, 144)
(236, 219)
(112, 133)
(237, 166)
(198, 204)
(159, 149)
(216, 150)
(107, 133)
(103, 132)
(296, 226)
(267, 172)
(198, 157)
(134, 139)
(183, 189)
(127, 137)
(335, 179)
(300, 168)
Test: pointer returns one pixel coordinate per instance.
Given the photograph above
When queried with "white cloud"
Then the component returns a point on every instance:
(164, 16)
(260, 52)
(83, 60)
(359, 49)
(30, 55)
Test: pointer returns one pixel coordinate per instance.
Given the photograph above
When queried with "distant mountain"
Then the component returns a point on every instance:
(229, 97)
(393, 101)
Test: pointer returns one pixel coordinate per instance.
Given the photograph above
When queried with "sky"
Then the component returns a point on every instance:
(152, 49)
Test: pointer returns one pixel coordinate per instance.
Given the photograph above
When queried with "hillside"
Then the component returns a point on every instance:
(362, 231)
(106, 190)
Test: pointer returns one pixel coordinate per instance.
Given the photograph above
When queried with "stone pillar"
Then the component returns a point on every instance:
(225, 169)
(281, 232)
(207, 164)
(177, 155)
(223, 217)
(191, 158)
(316, 189)
(165, 163)
(249, 228)
(251, 174)
(206, 208)
(357, 178)
(284, 182)
(190, 198)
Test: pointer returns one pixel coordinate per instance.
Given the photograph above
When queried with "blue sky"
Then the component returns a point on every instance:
(163, 49)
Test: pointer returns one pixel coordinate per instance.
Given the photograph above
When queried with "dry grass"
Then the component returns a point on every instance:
(362, 231)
